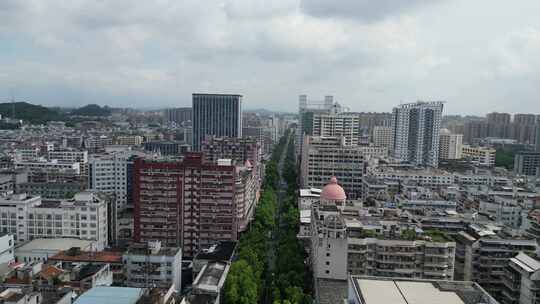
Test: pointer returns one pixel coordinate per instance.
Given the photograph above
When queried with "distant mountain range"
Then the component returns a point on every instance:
(92, 110)
(28, 112)
(36, 114)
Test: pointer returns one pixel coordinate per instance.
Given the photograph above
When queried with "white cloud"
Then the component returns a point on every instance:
(370, 54)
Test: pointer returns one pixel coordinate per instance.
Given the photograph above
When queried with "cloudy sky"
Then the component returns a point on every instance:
(479, 55)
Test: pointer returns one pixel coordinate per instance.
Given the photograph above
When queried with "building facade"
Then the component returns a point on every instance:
(216, 114)
(83, 217)
(482, 257)
(416, 132)
(108, 174)
(383, 136)
(450, 145)
(152, 265)
(193, 203)
(178, 115)
(521, 280)
(481, 156)
(527, 163)
(129, 140)
(339, 248)
(333, 124)
(331, 156)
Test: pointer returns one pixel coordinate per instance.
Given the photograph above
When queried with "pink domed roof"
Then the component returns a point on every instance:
(332, 191)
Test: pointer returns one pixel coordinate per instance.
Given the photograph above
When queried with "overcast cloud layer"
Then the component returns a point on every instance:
(480, 56)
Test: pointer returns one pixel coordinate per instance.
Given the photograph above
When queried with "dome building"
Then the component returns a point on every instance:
(329, 233)
(333, 194)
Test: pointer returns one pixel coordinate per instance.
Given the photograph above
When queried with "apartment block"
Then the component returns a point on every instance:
(416, 132)
(97, 143)
(34, 167)
(527, 163)
(129, 140)
(450, 145)
(333, 124)
(482, 256)
(383, 136)
(481, 156)
(419, 199)
(344, 243)
(68, 156)
(191, 203)
(521, 280)
(152, 265)
(108, 173)
(431, 178)
(27, 217)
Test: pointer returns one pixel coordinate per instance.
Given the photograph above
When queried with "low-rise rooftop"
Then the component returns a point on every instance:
(88, 256)
(54, 244)
(372, 290)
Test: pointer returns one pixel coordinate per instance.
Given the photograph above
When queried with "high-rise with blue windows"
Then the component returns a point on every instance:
(216, 115)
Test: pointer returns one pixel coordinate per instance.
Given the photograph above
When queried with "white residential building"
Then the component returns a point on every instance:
(108, 174)
(83, 217)
(383, 136)
(49, 166)
(69, 156)
(27, 154)
(450, 145)
(334, 124)
(432, 178)
(152, 264)
(416, 132)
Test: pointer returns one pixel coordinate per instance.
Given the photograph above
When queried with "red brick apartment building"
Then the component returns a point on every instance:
(192, 203)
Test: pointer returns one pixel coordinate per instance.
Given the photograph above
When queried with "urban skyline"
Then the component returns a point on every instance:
(271, 54)
(269, 152)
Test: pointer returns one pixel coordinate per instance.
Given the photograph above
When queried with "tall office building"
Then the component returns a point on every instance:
(416, 132)
(216, 114)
